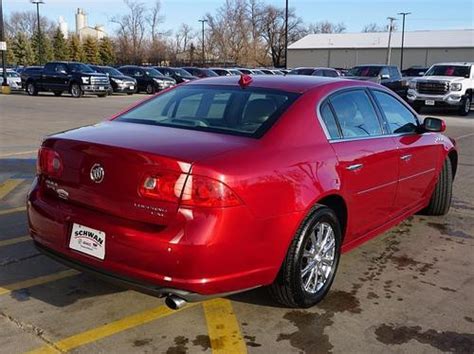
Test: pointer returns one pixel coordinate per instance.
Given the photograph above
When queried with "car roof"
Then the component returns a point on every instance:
(456, 63)
(296, 83)
(312, 68)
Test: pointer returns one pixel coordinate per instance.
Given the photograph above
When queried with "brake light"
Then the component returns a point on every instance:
(193, 190)
(49, 162)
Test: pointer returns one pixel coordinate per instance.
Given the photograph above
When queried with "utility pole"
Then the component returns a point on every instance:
(286, 35)
(4, 52)
(390, 29)
(404, 14)
(203, 21)
(40, 45)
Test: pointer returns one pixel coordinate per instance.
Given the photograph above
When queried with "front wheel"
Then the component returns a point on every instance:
(311, 262)
(465, 106)
(440, 201)
(150, 89)
(76, 90)
(31, 89)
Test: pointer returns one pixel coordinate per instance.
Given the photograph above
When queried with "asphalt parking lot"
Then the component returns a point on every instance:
(409, 290)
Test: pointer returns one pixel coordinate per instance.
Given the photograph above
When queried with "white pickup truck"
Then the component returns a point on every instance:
(444, 85)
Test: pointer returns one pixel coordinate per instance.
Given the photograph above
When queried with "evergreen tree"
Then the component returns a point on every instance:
(91, 50)
(60, 47)
(76, 52)
(46, 47)
(22, 50)
(11, 57)
(106, 51)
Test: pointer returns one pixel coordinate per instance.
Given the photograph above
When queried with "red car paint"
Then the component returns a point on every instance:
(277, 179)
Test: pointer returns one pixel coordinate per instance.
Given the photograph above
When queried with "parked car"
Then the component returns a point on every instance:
(200, 72)
(222, 71)
(386, 75)
(444, 85)
(178, 74)
(267, 71)
(148, 79)
(62, 76)
(234, 184)
(327, 72)
(235, 71)
(414, 71)
(13, 79)
(119, 83)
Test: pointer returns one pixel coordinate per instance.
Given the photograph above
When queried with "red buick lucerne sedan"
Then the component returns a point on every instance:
(226, 184)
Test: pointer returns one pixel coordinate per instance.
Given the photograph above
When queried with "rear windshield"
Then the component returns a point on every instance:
(229, 110)
(364, 71)
(449, 70)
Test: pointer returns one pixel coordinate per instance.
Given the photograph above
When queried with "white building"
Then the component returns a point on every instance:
(84, 31)
(346, 50)
(63, 27)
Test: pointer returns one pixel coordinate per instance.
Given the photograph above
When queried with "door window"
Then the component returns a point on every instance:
(330, 73)
(394, 73)
(400, 119)
(356, 114)
(330, 121)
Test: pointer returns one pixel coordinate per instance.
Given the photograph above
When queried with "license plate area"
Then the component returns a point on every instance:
(88, 241)
(429, 102)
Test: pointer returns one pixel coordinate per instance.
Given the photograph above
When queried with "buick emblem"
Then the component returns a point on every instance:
(97, 173)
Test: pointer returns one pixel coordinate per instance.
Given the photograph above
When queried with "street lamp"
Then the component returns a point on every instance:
(390, 29)
(404, 14)
(286, 35)
(203, 21)
(4, 52)
(38, 3)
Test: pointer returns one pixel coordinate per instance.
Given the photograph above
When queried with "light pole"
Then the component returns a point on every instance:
(286, 35)
(203, 21)
(389, 51)
(4, 52)
(404, 14)
(38, 3)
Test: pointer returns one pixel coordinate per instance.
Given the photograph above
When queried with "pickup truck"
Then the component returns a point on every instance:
(61, 76)
(444, 85)
(386, 75)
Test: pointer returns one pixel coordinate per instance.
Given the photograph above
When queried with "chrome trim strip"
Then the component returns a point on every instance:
(416, 175)
(376, 187)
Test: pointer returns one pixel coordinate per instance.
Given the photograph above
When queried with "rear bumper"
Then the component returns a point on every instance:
(201, 253)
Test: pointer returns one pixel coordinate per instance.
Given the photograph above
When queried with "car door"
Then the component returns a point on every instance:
(62, 77)
(48, 78)
(417, 152)
(138, 74)
(368, 159)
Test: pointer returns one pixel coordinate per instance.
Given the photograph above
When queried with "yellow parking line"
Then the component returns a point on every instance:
(37, 281)
(13, 210)
(223, 328)
(13, 241)
(109, 329)
(9, 185)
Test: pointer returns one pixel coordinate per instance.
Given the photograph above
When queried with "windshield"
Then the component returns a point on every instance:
(364, 71)
(181, 72)
(229, 110)
(10, 74)
(111, 71)
(82, 68)
(210, 72)
(449, 70)
(153, 73)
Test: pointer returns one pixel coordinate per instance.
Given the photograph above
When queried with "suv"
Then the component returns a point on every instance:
(386, 75)
(148, 79)
(118, 82)
(200, 72)
(178, 74)
(444, 85)
(59, 76)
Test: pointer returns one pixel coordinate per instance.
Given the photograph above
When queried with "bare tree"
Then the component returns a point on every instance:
(155, 19)
(26, 22)
(374, 27)
(326, 27)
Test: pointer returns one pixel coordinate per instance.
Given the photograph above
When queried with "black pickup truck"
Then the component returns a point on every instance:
(386, 75)
(61, 76)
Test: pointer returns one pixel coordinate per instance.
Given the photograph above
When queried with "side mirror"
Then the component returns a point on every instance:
(422, 73)
(385, 76)
(434, 125)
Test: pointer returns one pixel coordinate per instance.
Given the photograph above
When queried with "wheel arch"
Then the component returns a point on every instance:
(453, 157)
(336, 203)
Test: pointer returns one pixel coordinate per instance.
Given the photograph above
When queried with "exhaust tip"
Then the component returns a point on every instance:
(174, 302)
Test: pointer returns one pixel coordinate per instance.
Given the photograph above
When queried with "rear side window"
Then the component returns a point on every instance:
(330, 73)
(400, 119)
(231, 110)
(330, 121)
(356, 114)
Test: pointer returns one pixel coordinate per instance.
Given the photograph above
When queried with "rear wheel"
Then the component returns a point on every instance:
(311, 262)
(150, 89)
(440, 201)
(465, 106)
(76, 90)
(31, 89)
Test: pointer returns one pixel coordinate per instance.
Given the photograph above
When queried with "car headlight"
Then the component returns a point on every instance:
(159, 82)
(456, 86)
(86, 79)
(117, 81)
(412, 84)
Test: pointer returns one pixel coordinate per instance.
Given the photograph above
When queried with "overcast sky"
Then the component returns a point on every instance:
(426, 14)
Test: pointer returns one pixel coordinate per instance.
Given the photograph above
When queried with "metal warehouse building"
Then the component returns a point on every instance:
(346, 50)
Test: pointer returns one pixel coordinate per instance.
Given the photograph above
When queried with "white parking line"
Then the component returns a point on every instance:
(464, 136)
(19, 153)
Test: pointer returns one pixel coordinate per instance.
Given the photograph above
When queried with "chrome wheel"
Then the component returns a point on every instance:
(318, 258)
(467, 105)
(75, 90)
(31, 89)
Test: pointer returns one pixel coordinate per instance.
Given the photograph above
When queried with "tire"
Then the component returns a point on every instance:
(289, 287)
(110, 91)
(76, 90)
(129, 93)
(31, 89)
(465, 106)
(58, 93)
(440, 201)
(150, 89)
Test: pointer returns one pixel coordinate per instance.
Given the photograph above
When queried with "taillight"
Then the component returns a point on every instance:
(49, 162)
(192, 190)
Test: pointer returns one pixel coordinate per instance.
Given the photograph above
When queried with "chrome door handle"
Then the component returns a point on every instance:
(406, 157)
(354, 167)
